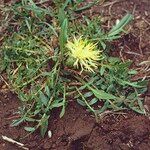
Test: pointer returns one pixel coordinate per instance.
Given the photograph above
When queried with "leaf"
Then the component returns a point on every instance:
(119, 27)
(56, 104)
(93, 101)
(47, 91)
(62, 112)
(36, 111)
(44, 125)
(29, 129)
(132, 72)
(99, 82)
(100, 94)
(103, 87)
(133, 84)
(63, 35)
(103, 44)
(88, 94)
(64, 102)
(110, 38)
(110, 88)
(141, 104)
(82, 87)
(28, 24)
(131, 96)
(17, 122)
(113, 59)
(66, 3)
(61, 15)
(22, 96)
(30, 119)
(105, 106)
(82, 103)
(51, 27)
(43, 98)
(88, 6)
(102, 70)
(136, 109)
(124, 65)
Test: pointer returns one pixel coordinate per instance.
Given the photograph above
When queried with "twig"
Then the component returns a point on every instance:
(121, 56)
(5, 81)
(130, 51)
(146, 21)
(110, 4)
(14, 142)
(13, 117)
(140, 40)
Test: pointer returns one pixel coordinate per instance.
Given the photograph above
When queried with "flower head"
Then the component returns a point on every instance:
(84, 54)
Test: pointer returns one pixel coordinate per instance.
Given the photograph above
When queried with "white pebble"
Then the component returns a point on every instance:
(49, 133)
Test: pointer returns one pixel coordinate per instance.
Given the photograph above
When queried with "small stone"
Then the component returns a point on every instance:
(4, 86)
(146, 13)
(49, 133)
(117, 21)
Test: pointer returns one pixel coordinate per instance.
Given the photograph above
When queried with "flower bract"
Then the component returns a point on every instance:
(84, 54)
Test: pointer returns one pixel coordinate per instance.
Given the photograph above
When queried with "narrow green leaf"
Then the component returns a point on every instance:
(44, 125)
(132, 72)
(81, 102)
(29, 129)
(113, 59)
(43, 98)
(100, 94)
(102, 70)
(62, 112)
(118, 27)
(103, 44)
(133, 84)
(88, 94)
(47, 91)
(43, 131)
(63, 35)
(104, 107)
(93, 101)
(88, 6)
(56, 105)
(141, 104)
(137, 110)
(61, 15)
(28, 24)
(66, 3)
(64, 103)
(17, 122)
(30, 119)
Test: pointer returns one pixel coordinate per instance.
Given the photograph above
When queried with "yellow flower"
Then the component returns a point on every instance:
(84, 54)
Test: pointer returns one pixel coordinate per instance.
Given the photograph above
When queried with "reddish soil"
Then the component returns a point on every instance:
(77, 130)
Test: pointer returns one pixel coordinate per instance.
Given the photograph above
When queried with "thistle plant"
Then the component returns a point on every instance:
(38, 76)
(83, 53)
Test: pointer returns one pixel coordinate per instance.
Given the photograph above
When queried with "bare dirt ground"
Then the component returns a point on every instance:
(77, 130)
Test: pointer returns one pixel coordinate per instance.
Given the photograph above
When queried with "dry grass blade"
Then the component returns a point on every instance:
(20, 145)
